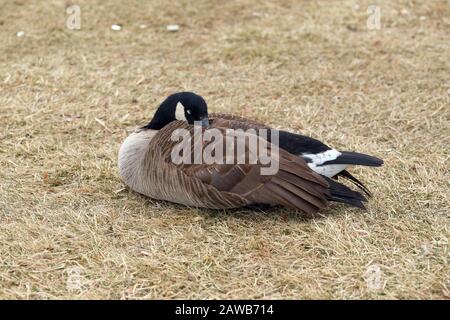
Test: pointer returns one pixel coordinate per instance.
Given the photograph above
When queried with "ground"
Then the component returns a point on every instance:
(70, 228)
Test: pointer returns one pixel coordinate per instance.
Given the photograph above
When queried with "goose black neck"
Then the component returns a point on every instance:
(165, 113)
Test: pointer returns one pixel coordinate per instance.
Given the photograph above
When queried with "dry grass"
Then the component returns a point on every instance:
(67, 99)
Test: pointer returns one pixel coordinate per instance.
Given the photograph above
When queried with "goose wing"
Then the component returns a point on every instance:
(235, 122)
(213, 185)
(320, 157)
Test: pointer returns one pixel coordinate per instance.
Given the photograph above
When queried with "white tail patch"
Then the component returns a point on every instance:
(318, 159)
(329, 170)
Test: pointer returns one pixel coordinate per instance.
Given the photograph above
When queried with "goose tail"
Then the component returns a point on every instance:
(343, 194)
(349, 177)
(355, 158)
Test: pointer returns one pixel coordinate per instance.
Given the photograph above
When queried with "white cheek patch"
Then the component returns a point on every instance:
(179, 112)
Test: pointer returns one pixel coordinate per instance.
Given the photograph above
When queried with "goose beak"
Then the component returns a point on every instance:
(205, 122)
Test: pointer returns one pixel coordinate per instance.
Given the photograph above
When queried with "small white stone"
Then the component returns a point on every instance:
(422, 18)
(20, 33)
(173, 27)
(142, 26)
(116, 27)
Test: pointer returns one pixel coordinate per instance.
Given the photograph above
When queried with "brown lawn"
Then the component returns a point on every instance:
(69, 228)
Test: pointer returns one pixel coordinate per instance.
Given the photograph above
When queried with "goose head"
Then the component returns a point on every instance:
(183, 106)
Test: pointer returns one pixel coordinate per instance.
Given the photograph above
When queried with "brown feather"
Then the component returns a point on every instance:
(220, 186)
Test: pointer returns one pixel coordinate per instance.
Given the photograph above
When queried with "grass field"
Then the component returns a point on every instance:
(69, 228)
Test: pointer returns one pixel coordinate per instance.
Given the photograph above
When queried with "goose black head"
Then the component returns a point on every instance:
(184, 106)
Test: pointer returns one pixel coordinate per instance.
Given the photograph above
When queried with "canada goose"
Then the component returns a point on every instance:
(146, 165)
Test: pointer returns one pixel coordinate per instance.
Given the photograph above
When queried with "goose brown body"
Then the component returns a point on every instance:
(290, 170)
(146, 166)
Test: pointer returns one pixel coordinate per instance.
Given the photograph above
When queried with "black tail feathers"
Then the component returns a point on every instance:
(348, 176)
(343, 194)
(355, 158)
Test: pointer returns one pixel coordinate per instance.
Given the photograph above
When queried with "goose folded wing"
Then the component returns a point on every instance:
(293, 185)
(234, 122)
